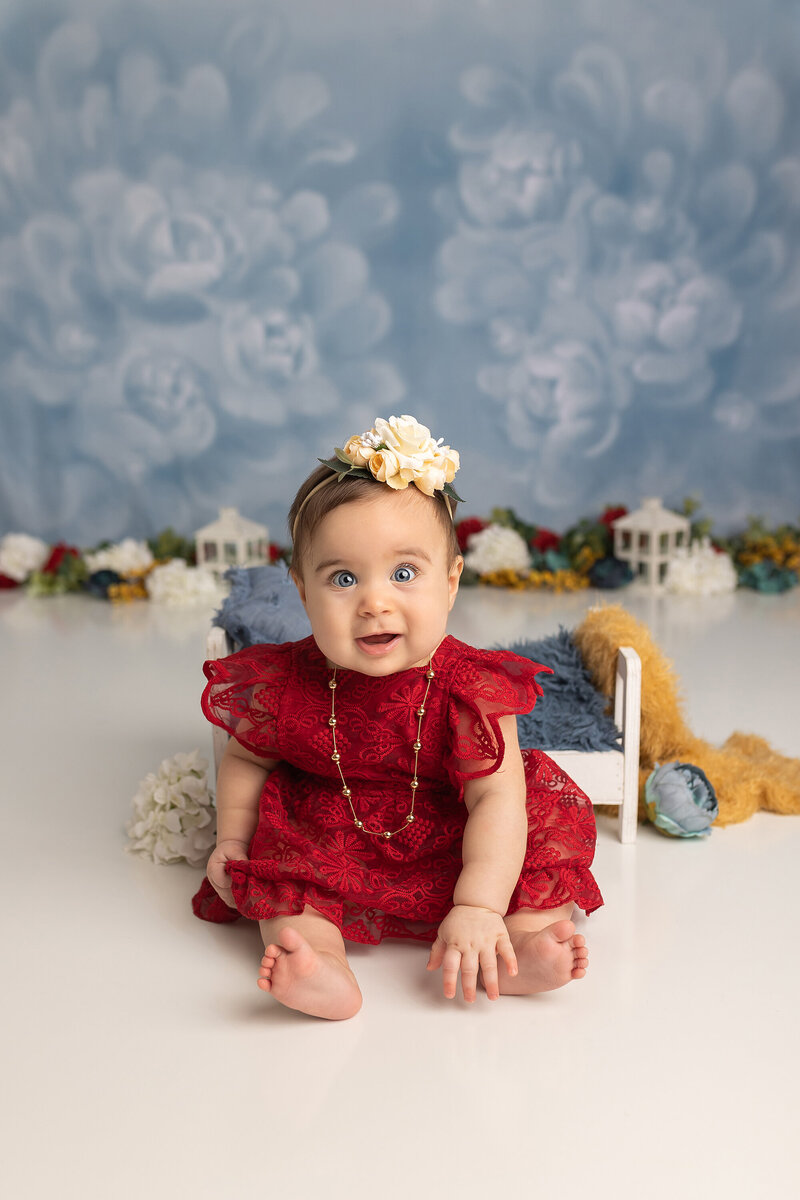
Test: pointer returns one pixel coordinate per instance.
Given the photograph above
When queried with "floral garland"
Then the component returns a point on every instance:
(505, 551)
(501, 551)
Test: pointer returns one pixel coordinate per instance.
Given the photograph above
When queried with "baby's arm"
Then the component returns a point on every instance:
(239, 782)
(496, 832)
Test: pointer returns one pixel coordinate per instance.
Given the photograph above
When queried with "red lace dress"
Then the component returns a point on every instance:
(306, 850)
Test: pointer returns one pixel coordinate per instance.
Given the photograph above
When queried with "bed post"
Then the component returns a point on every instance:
(627, 711)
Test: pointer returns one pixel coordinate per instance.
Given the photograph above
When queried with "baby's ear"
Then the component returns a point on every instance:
(298, 582)
(454, 577)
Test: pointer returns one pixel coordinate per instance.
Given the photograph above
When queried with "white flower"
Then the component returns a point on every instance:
(497, 548)
(21, 554)
(700, 571)
(125, 557)
(181, 586)
(174, 815)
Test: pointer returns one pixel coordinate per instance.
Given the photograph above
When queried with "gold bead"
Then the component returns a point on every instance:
(387, 835)
(331, 683)
(429, 674)
(420, 712)
(359, 824)
(417, 745)
(346, 791)
(414, 783)
(336, 757)
(409, 818)
(331, 720)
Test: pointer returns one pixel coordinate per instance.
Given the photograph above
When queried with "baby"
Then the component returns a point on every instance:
(374, 786)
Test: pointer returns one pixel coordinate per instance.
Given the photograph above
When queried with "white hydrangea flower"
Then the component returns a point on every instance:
(497, 548)
(174, 814)
(180, 586)
(125, 557)
(21, 554)
(700, 571)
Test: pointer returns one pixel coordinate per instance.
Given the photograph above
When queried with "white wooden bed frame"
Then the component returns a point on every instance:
(606, 776)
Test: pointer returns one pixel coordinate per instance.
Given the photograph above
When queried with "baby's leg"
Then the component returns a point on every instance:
(305, 966)
(549, 952)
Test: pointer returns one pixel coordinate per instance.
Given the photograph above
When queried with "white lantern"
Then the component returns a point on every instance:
(232, 541)
(648, 539)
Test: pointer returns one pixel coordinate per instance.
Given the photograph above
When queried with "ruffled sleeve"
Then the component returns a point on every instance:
(243, 695)
(486, 685)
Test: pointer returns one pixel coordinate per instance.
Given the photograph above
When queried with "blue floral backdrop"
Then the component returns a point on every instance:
(564, 235)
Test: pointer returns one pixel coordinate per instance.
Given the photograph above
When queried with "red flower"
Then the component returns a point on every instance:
(7, 582)
(275, 551)
(611, 514)
(465, 529)
(544, 540)
(57, 556)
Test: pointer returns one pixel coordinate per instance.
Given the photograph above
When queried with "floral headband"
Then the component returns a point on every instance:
(397, 452)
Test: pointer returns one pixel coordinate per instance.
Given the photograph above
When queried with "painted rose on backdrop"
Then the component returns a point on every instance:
(150, 302)
(627, 251)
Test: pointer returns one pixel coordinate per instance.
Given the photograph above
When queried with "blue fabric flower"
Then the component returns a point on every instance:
(766, 576)
(99, 583)
(680, 800)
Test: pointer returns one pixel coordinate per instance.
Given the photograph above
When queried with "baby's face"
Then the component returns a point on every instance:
(377, 585)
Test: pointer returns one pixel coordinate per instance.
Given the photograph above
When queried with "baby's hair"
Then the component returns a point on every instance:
(345, 491)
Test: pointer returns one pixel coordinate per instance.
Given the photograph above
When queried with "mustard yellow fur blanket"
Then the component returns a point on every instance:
(747, 774)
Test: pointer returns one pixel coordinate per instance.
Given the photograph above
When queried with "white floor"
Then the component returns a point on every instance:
(143, 1062)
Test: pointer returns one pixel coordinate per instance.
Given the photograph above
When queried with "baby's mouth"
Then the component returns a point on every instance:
(378, 639)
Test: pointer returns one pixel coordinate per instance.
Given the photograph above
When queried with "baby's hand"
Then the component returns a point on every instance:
(218, 877)
(470, 937)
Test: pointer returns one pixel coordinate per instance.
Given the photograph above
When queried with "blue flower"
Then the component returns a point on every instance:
(680, 800)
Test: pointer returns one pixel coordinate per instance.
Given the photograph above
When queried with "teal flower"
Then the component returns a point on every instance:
(680, 800)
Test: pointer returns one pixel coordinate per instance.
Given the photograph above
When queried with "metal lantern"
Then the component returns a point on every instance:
(232, 541)
(648, 538)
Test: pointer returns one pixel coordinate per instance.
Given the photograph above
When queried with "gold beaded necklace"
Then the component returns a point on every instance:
(417, 746)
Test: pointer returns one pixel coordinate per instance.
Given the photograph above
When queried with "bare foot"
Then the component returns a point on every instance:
(313, 981)
(546, 959)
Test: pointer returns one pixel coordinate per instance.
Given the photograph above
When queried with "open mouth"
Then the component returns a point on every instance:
(378, 643)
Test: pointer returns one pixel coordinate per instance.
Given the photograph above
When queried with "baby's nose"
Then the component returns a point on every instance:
(376, 597)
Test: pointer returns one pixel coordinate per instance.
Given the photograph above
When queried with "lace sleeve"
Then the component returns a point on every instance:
(487, 685)
(243, 695)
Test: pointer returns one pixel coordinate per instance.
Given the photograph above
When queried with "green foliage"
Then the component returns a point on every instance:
(587, 533)
(71, 575)
(169, 544)
(508, 518)
(701, 527)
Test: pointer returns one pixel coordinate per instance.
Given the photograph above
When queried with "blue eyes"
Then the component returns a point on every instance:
(343, 579)
(402, 574)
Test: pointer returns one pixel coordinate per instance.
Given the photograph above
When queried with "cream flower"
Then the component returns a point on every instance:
(401, 451)
(452, 463)
(384, 466)
(497, 548)
(21, 554)
(406, 436)
(180, 586)
(700, 571)
(126, 557)
(174, 818)
(359, 450)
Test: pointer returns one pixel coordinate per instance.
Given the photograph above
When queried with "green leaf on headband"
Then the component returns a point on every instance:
(343, 467)
(449, 490)
(340, 454)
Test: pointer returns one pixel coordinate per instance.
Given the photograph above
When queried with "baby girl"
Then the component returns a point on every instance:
(374, 786)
